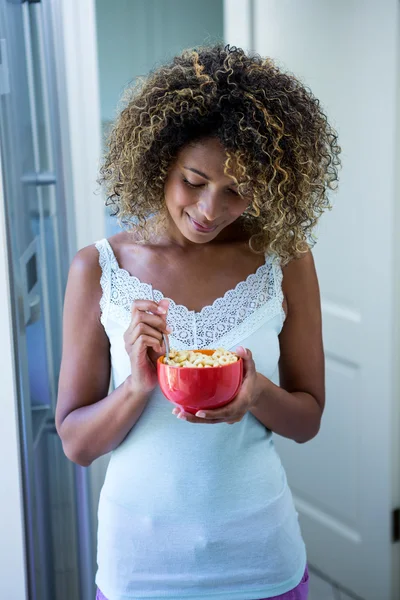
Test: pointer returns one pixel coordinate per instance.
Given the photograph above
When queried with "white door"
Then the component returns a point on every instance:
(342, 481)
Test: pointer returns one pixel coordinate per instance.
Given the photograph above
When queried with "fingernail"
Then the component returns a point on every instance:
(161, 311)
(169, 329)
(240, 348)
(201, 414)
(181, 416)
(175, 411)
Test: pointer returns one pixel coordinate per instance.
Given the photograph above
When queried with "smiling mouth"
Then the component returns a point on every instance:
(201, 227)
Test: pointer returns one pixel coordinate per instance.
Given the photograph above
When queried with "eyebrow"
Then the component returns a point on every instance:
(198, 172)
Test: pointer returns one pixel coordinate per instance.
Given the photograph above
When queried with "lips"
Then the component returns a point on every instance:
(201, 226)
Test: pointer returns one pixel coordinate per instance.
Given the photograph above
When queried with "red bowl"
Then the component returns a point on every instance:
(194, 389)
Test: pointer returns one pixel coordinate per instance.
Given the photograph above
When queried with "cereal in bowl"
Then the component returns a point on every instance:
(196, 358)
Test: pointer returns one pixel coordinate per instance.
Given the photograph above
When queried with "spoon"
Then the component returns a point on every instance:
(165, 337)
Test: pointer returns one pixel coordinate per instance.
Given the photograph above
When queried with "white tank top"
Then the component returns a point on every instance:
(193, 511)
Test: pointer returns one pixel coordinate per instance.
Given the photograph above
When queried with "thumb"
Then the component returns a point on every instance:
(154, 356)
(248, 362)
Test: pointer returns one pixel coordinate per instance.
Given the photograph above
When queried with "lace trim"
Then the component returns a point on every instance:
(230, 318)
(105, 281)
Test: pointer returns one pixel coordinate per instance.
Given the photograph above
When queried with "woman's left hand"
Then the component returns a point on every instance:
(237, 408)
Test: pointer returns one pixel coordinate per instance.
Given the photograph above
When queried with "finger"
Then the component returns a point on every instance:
(192, 419)
(186, 416)
(161, 352)
(144, 329)
(164, 304)
(142, 344)
(154, 355)
(226, 414)
(141, 311)
(148, 306)
(157, 322)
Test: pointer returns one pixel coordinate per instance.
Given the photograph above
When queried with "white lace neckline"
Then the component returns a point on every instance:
(229, 319)
(245, 283)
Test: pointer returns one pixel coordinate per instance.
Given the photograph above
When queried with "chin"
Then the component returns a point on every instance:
(198, 239)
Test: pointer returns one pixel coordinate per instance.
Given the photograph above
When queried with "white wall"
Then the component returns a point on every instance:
(81, 130)
(134, 35)
(238, 23)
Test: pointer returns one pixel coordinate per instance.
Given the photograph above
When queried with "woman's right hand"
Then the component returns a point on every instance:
(144, 342)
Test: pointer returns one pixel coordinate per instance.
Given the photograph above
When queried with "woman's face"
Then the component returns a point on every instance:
(201, 200)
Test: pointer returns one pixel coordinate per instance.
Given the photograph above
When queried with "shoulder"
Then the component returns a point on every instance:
(300, 283)
(302, 265)
(85, 263)
(84, 278)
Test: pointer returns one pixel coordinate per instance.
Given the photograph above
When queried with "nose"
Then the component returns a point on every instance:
(211, 207)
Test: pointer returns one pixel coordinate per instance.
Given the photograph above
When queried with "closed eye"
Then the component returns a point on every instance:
(192, 185)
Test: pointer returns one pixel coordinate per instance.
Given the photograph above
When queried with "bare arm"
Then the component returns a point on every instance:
(89, 421)
(294, 408)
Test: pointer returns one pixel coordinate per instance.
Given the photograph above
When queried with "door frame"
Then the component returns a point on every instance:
(13, 567)
(79, 95)
(396, 332)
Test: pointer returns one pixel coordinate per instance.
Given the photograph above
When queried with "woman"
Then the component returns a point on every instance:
(219, 166)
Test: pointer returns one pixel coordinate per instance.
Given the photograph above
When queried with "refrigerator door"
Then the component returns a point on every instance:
(56, 496)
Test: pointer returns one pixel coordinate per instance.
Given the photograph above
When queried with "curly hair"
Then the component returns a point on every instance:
(280, 147)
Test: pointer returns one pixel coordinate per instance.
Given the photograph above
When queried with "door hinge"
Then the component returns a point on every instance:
(396, 525)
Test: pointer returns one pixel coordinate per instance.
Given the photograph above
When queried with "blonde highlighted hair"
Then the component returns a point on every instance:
(280, 147)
